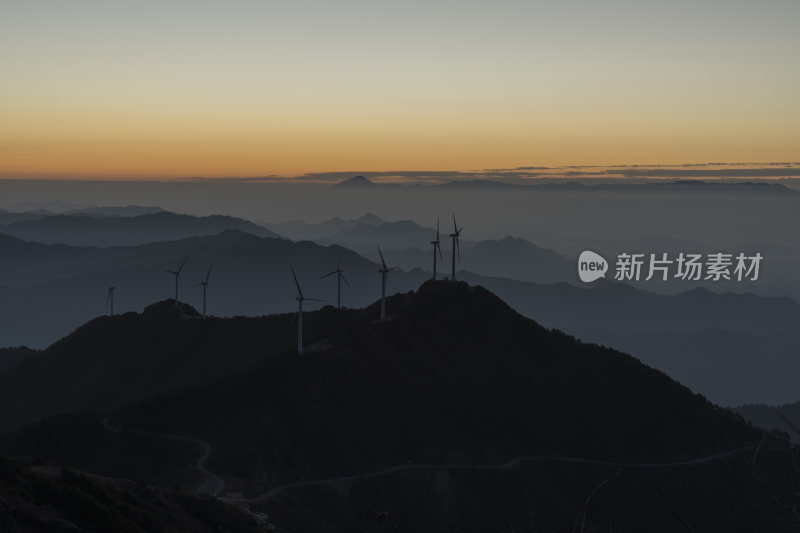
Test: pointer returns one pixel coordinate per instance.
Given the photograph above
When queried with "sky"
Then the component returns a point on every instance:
(152, 89)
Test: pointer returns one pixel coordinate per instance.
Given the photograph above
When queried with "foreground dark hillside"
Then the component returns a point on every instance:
(114, 360)
(36, 497)
(457, 414)
(455, 376)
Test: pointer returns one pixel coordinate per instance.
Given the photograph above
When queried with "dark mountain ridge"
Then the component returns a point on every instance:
(93, 230)
(454, 377)
(114, 360)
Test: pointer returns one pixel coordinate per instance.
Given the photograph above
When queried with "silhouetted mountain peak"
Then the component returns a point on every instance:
(356, 181)
(447, 296)
(168, 308)
(370, 219)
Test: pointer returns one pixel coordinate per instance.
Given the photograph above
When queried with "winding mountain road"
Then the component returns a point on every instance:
(343, 484)
(214, 484)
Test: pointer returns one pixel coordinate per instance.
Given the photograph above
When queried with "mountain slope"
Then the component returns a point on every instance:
(516, 258)
(35, 497)
(729, 367)
(454, 377)
(249, 277)
(114, 360)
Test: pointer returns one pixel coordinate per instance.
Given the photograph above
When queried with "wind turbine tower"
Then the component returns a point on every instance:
(436, 248)
(300, 299)
(177, 274)
(456, 247)
(384, 271)
(339, 277)
(204, 284)
(110, 300)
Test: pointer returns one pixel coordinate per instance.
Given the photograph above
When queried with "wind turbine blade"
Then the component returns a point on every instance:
(208, 275)
(108, 298)
(299, 290)
(171, 272)
(437, 229)
(458, 249)
(382, 260)
(329, 274)
(181, 267)
(345, 280)
(440, 250)
(455, 226)
(294, 317)
(314, 300)
(393, 268)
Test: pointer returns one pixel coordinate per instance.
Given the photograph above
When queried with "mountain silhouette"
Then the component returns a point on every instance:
(397, 235)
(354, 182)
(113, 360)
(301, 230)
(93, 230)
(453, 377)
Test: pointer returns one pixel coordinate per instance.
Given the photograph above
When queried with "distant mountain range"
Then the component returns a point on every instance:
(301, 230)
(52, 289)
(456, 398)
(694, 181)
(96, 230)
(769, 417)
(727, 366)
(404, 242)
(251, 276)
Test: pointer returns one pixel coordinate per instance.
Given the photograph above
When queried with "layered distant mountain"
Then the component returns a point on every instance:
(456, 399)
(116, 211)
(784, 417)
(50, 290)
(406, 243)
(390, 235)
(102, 229)
(251, 276)
(301, 230)
(728, 366)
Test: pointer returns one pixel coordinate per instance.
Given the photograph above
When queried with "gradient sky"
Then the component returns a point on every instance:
(247, 88)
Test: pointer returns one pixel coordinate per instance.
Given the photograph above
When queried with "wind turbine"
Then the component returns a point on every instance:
(110, 300)
(177, 274)
(339, 277)
(300, 299)
(436, 248)
(204, 284)
(384, 271)
(455, 235)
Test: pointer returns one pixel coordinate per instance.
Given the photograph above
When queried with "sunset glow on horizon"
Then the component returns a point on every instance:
(226, 89)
